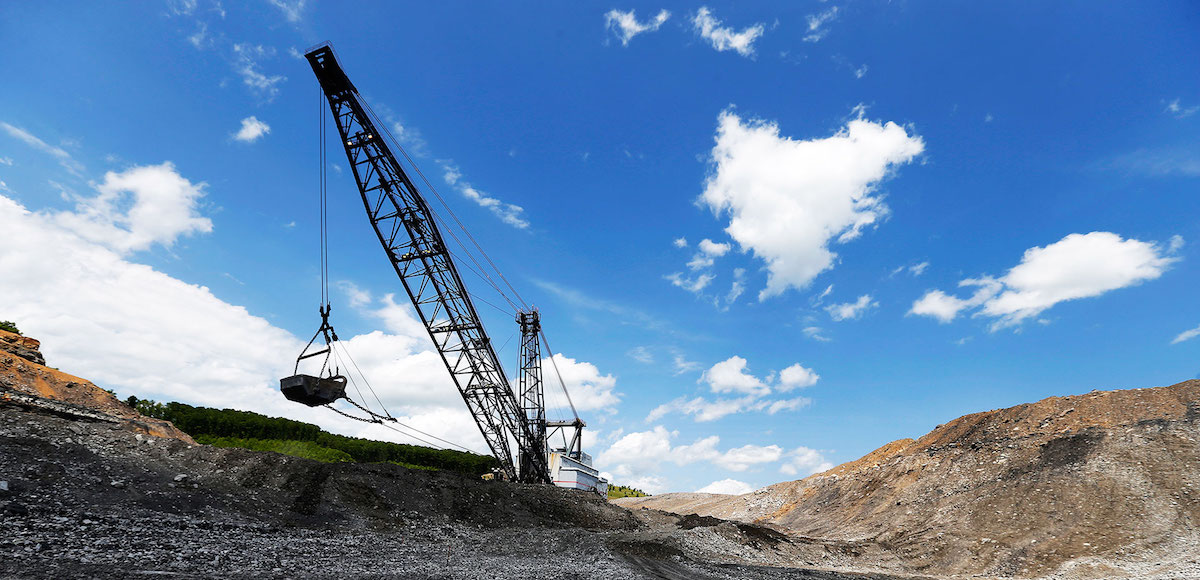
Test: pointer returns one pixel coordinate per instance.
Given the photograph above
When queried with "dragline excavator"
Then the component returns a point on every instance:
(514, 424)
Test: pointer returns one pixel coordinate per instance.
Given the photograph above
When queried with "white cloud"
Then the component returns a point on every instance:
(181, 7)
(918, 269)
(625, 26)
(679, 242)
(1187, 335)
(730, 376)
(738, 287)
(1077, 266)
(293, 10)
(507, 212)
(727, 486)
(814, 332)
(788, 405)
(693, 285)
(252, 130)
(1163, 162)
(861, 71)
(788, 200)
(741, 458)
(851, 310)
(6, 161)
(64, 158)
(134, 329)
(137, 208)
(645, 454)
(817, 30)
(724, 38)
(704, 410)
(641, 354)
(804, 462)
(589, 389)
(682, 365)
(1179, 111)
(708, 252)
(247, 65)
(200, 38)
(797, 377)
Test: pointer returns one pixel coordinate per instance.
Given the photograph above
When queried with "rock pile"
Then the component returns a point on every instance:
(1104, 485)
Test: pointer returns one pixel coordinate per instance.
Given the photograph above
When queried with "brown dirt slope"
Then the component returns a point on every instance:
(24, 375)
(1103, 485)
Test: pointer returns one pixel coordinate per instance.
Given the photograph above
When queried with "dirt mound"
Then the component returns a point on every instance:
(1100, 485)
(25, 379)
(85, 491)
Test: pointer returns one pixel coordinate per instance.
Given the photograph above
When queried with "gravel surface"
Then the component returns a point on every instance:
(99, 500)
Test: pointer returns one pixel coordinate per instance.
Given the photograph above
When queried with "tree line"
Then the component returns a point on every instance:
(205, 422)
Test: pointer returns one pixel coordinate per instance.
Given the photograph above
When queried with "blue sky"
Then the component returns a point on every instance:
(766, 238)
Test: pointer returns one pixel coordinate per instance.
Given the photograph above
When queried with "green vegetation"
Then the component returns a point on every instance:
(9, 326)
(615, 491)
(305, 449)
(259, 432)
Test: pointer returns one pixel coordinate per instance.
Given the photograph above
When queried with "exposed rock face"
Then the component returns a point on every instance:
(21, 346)
(1102, 485)
(24, 377)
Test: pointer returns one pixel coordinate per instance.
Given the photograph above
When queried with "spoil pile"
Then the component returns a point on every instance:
(89, 492)
(25, 379)
(1099, 485)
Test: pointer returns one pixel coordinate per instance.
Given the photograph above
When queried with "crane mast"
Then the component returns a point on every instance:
(409, 234)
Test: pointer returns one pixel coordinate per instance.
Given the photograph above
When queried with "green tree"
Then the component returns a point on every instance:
(9, 326)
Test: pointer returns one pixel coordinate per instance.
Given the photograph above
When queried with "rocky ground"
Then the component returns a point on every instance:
(85, 498)
(1100, 485)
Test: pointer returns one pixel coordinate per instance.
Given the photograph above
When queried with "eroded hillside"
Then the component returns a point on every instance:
(1105, 484)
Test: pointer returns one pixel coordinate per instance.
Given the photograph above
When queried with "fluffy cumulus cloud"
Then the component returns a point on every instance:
(745, 392)
(69, 279)
(803, 462)
(134, 329)
(725, 38)
(797, 377)
(851, 310)
(789, 200)
(1077, 266)
(730, 376)
(589, 389)
(137, 208)
(252, 130)
(708, 252)
(625, 25)
(727, 487)
(644, 456)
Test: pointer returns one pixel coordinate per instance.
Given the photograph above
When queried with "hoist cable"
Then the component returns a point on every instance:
(365, 381)
(431, 436)
(353, 383)
(559, 374)
(442, 201)
(324, 211)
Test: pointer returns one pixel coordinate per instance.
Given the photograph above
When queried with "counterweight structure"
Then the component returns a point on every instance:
(407, 230)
